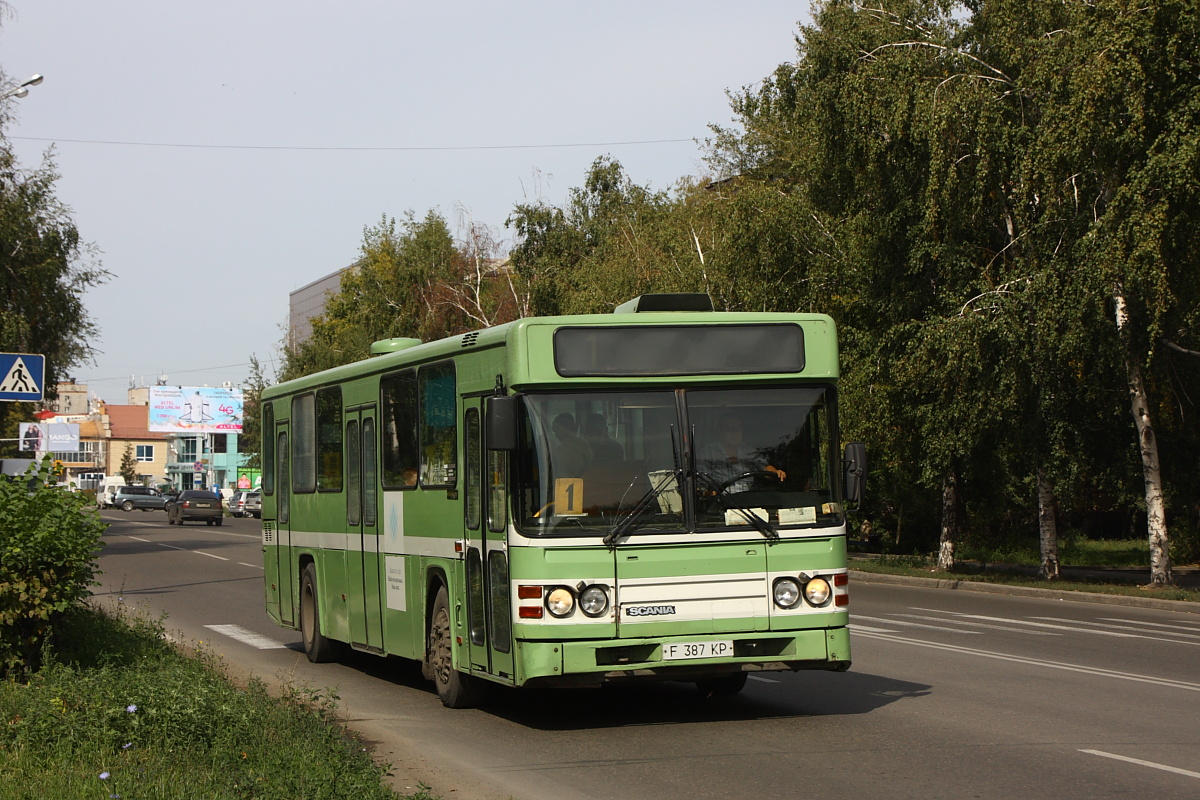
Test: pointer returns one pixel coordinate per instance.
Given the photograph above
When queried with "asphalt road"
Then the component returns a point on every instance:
(953, 694)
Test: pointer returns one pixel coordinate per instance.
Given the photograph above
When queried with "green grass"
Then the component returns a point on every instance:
(118, 712)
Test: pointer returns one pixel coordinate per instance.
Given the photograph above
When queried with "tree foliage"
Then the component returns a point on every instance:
(45, 268)
(966, 187)
(411, 280)
(995, 199)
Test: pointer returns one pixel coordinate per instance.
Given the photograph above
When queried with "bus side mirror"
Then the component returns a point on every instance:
(854, 462)
(501, 423)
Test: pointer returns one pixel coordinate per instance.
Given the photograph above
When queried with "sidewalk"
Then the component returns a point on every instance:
(1185, 577)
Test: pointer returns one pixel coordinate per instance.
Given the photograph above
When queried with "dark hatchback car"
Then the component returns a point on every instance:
(195, 504)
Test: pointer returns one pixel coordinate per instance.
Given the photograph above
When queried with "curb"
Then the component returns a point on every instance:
(1186, 606)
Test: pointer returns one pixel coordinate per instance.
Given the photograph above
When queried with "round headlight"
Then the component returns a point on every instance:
(593, 601)
(560, 602)
(787, 592)
(817, 592)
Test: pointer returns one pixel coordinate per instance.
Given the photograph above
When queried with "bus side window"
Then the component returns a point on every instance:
(439, 428)
(399, 430)
(304, 446)
(329, 439)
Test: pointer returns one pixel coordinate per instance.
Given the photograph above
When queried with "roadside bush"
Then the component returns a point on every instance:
(48, 543)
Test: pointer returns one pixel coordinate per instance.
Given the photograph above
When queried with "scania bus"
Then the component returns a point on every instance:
(652, 494)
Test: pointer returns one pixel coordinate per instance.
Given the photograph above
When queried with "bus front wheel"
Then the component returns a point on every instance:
(454, 689)
(317, 646)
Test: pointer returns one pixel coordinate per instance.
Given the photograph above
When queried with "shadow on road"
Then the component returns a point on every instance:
(772, 696)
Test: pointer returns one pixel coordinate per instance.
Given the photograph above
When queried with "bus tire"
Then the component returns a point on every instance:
(318, 647)
(723, 686)
(454, 689)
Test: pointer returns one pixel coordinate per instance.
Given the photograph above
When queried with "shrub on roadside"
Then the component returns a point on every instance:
(48, 543)
(117, 711)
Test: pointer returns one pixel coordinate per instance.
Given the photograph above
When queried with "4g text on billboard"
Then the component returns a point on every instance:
(195, 409)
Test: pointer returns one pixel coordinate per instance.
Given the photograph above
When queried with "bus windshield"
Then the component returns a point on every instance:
(676, 461)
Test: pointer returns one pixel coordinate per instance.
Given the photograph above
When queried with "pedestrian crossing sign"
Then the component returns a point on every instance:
(22, 377)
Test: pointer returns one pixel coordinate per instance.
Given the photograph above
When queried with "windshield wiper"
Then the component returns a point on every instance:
(761, 525)
(622, 526)
(674, 477)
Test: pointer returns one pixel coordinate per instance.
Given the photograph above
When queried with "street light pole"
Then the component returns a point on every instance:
(21, 89)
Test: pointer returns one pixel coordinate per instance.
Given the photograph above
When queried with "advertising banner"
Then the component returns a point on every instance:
(49, 437)
(195, 409)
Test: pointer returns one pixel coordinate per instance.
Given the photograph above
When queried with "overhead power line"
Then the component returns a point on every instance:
(350, 149)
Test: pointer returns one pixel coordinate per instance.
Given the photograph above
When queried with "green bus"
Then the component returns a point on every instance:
(657, 493)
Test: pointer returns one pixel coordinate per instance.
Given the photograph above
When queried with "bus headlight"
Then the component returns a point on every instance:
(817, 592)
(593, 601)
(560, 602)
(787, 592)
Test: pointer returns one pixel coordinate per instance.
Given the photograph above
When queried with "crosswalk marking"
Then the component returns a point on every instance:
(238, 633)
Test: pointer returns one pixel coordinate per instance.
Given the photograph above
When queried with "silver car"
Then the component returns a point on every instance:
(146, 498)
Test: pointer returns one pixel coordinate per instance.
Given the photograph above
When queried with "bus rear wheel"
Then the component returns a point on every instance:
(454, 689)
(318, 647)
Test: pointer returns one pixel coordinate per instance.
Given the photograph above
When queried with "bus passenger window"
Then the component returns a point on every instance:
(304, 450)
(400, 459)
(329, 440)
(439, 431)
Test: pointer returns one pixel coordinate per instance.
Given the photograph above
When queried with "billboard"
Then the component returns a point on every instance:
(49, 437)
(195, 409)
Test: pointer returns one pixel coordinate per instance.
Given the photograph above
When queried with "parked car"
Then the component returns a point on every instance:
(146, 498)
(250, 505)
(193, 504)
(235, 501)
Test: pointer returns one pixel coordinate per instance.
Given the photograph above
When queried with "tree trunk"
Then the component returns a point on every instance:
(1047, 527)
(949, 521)
(1156, 518)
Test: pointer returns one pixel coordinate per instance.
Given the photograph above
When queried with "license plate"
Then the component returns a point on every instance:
(677, 651)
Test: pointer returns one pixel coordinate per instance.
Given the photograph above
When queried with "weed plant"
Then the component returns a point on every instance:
(116, 711)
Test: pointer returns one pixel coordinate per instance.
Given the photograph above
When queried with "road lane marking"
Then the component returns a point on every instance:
(764, 680)
(1140, 762)
(918, 625)
(1025, 631)
(256, 640)
(856, 627)
(1036, 662)
(1193, 628)
(187, 550)
(1122, 628)
(1057, 627)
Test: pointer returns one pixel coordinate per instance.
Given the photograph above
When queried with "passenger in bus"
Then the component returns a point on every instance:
(572, 454)
(730, 457)
(605, 449)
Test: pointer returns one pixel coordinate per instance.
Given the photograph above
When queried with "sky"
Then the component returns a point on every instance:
(221, 155)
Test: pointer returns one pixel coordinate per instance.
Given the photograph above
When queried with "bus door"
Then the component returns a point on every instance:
(362, 480)
(283, 526)
(489, 611)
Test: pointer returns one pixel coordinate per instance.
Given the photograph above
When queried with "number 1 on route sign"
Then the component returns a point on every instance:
(22, 377)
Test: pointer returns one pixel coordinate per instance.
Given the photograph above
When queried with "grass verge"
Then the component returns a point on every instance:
(118, 712)
(923, 567)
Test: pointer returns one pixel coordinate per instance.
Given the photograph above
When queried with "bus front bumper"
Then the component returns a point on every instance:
(588, 663)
